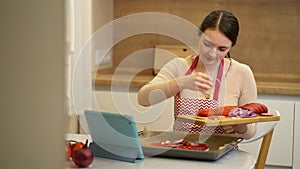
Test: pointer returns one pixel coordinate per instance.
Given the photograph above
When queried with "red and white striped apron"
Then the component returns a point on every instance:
(190, 106)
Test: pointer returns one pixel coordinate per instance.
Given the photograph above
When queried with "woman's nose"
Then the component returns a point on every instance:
(213, 52)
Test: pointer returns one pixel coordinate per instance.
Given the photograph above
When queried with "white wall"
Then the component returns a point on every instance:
(32, 84)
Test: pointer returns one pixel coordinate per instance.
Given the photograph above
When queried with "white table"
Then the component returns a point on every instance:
(229, 161)
(235, 159)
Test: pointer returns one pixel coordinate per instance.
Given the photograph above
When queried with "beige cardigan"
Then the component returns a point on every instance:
(238, 85)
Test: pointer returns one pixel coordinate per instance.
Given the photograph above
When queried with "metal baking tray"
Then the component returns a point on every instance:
(218, 145)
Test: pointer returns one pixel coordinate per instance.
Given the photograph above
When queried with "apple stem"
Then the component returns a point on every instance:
(86, 143)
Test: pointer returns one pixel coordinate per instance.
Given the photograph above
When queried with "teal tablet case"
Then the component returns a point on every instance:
(114, 136)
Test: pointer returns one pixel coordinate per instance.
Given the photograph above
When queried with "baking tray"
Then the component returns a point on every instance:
(224, 121)
(218, 145)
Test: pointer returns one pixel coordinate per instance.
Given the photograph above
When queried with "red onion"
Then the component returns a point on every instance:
(83, 157)
(241, 113)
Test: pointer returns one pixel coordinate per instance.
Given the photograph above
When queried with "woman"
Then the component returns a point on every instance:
(209, 79)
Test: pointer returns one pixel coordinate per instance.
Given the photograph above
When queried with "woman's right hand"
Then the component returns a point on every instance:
(196, 81)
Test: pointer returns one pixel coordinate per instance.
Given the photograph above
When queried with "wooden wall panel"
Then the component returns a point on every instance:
(269, 34)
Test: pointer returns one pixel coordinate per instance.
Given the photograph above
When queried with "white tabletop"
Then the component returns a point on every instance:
(236, 159)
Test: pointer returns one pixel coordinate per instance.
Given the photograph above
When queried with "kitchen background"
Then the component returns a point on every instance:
(33, 56)
(267, 43)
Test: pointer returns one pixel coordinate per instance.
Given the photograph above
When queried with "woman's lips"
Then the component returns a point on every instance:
(210, 59)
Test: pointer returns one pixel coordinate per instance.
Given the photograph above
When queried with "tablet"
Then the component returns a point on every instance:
(114, 136)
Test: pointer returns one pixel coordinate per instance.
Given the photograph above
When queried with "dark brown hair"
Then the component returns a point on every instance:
(223, 21)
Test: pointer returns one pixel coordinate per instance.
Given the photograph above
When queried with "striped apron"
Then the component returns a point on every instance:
(190, 106)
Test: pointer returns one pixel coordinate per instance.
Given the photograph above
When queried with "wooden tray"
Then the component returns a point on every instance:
(224, 121)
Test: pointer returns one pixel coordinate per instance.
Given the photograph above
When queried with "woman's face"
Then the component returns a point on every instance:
(213, 46)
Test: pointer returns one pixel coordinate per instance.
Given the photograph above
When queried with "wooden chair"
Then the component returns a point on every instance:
(265, 132)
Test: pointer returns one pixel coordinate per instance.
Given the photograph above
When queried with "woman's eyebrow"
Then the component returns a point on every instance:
(208, 41)
(225, 47)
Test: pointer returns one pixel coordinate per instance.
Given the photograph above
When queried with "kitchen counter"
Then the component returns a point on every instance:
(266, 83)
(229, 161)
(235, 159)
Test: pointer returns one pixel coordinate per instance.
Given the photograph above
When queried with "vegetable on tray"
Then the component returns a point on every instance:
(181, 144)
(247, 110)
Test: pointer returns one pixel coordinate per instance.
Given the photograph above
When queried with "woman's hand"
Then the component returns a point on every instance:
(239, 129)
(197, 81)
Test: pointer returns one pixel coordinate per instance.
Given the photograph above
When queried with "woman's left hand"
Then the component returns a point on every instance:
(239, 129)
